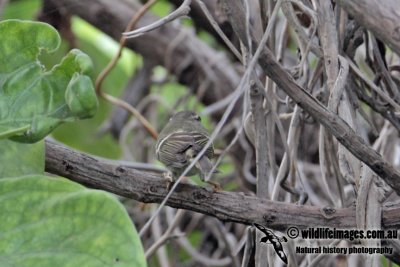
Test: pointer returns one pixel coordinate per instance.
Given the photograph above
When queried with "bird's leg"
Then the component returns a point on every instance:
(169, 178)
(216, 186)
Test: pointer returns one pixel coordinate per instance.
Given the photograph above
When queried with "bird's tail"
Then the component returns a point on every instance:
(205, 166)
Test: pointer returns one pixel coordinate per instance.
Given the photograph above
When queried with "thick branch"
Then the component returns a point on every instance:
(227, 206)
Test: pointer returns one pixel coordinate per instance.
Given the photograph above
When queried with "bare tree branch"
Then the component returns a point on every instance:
(150, 187)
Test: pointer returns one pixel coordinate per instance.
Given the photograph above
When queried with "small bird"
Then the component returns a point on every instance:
(179, 143)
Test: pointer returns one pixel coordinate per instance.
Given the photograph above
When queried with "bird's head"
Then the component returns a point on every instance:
(186, 115)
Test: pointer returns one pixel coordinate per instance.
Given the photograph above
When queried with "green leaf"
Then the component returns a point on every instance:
(54, 222)
(33, 101)
(18, 159)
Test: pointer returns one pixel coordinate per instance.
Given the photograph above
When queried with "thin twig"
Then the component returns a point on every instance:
(111, 65)
(168, 234)
(219, 30)
(183, 10)
(375, 88)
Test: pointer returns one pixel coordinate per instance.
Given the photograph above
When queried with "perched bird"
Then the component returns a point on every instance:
(180, 142)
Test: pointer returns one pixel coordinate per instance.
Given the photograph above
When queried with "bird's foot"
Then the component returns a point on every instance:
(216, 186)
(169, 178)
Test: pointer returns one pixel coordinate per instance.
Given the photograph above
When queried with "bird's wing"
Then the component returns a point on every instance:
(171, 149)
(200, 140)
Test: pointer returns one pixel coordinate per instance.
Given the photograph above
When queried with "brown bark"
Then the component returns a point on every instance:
(150, 187)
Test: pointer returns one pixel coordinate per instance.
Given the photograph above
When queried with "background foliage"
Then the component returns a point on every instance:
(186, 65)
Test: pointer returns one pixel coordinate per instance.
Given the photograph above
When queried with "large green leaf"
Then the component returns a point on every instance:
(18, 159)
(34, 101)
(53, 222)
